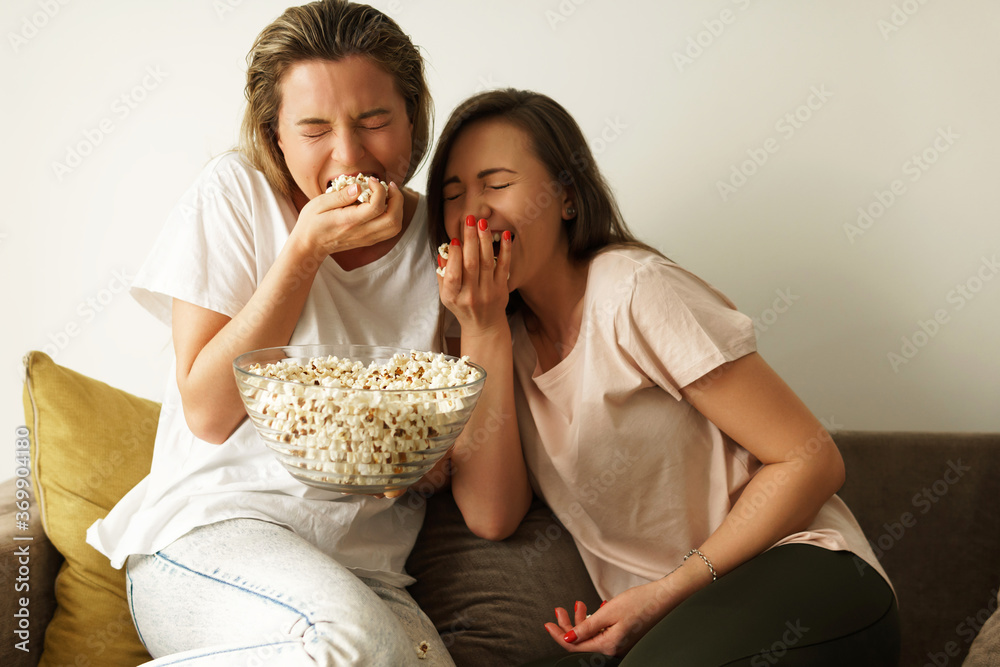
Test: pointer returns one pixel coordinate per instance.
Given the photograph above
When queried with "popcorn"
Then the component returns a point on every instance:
(344, 180)
(443, 252)
(318, 420)
(422, 649)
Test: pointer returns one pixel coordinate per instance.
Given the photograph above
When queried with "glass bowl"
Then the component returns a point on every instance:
(352, 440)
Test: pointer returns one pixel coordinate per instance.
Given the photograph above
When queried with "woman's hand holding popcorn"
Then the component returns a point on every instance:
(337, 221)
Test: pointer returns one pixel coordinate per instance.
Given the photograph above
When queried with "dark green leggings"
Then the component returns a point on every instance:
(793, 605)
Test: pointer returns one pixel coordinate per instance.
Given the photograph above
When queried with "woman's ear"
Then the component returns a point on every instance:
(272, 129)
(568, 203)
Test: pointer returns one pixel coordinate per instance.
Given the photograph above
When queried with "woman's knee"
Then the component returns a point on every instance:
(348, 642)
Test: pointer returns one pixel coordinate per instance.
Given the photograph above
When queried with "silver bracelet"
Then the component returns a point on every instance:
(704, 558)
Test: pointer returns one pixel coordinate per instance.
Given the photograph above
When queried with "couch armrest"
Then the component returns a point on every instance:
(34, 585)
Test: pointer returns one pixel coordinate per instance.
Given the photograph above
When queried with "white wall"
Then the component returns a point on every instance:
(146, 92)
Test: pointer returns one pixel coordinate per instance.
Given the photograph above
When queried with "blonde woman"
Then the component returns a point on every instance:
(229, 559)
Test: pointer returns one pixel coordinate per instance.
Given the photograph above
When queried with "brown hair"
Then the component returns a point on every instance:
(326, 30)
(557, 141)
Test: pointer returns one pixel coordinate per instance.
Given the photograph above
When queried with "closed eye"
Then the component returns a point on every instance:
(498, 187)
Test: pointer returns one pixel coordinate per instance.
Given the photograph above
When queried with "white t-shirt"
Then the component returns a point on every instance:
(634, 472)
(218, 243)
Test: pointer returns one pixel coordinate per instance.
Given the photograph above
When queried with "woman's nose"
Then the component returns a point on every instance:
(347, 148)
(479, 207)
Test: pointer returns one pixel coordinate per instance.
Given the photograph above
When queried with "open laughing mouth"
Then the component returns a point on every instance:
(444, 248)
(496, 242)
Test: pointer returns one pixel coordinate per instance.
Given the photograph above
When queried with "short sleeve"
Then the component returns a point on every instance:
(205, 254)
(677, 327)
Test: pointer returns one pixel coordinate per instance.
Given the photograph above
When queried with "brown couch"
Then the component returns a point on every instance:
(927, 502)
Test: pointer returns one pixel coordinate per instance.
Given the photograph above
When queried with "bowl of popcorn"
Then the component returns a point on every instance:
(357, 418)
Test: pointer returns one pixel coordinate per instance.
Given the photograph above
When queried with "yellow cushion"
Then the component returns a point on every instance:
(90, 444)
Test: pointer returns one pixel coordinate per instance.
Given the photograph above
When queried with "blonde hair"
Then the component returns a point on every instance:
(327, 30)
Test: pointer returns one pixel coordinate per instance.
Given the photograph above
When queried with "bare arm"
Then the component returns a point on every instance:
(206, 342)
(802, 465)
(489, 476)
(802, 469)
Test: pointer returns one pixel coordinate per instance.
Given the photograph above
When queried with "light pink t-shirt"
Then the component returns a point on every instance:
(635, 473)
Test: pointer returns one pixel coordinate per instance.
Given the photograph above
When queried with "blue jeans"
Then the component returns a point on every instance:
(247, 592)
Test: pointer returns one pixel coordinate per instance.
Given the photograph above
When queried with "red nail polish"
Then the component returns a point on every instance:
(570, 637)
(577, 605)
(470, 220)
(482, 224)
(603, 602)
(455, 242)
(506, 235)
(440, 260)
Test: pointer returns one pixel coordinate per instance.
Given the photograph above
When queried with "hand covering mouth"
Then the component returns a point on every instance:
(444, 248)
